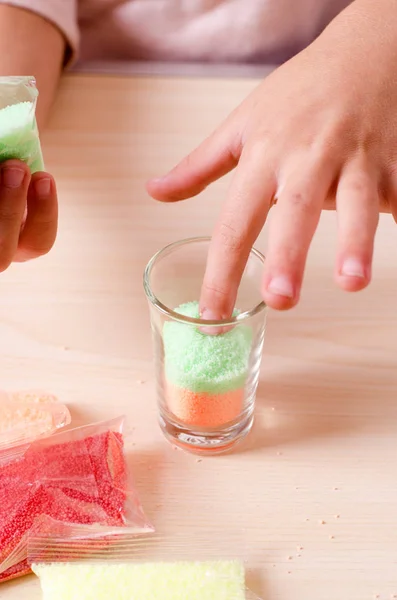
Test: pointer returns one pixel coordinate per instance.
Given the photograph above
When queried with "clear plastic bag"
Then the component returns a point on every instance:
(141, 567)
(77, 478)
(19, 136)
(26, 416)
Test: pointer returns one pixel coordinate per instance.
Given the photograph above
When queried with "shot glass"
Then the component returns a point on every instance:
(207, 372)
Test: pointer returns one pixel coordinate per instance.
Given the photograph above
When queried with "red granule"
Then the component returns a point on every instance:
(18, 570)
(81, 482)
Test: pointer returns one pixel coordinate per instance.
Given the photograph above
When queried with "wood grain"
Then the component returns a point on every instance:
(310, 500)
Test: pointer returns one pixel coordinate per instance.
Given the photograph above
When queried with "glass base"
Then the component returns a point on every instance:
(206, 442)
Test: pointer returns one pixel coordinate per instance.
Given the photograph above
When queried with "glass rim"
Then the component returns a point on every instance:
(161, 307)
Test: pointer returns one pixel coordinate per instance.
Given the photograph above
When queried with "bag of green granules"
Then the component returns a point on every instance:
(19, 136)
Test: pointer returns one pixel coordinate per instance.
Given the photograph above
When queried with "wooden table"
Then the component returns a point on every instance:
(310, 501)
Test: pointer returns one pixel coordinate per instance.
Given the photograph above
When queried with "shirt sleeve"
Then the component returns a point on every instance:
(62, 13)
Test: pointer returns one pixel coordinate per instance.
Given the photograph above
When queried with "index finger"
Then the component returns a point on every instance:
(241, 220)
(212, 159)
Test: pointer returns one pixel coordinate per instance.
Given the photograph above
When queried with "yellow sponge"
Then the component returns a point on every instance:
(221, 580)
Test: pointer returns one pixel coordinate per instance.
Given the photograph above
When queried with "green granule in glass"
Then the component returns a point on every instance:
(205, 363)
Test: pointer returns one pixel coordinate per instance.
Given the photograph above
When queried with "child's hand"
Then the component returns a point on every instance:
(320, 132)
(28, 213)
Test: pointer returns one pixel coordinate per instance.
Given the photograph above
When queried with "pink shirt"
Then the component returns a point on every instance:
(268, 31)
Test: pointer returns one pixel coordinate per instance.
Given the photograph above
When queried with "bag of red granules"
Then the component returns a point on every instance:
(77, 477)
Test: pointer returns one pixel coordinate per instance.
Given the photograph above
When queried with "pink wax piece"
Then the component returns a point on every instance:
(26, 416)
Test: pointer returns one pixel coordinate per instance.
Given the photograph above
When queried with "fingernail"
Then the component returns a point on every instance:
(353, 268)
(209, 315)
(12, 177)
(43, 187)
(281, 286)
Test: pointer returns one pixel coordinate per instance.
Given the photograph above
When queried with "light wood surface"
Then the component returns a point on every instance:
(319, 471)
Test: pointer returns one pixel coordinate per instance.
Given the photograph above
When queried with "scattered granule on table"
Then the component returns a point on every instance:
(222, 580)
(205, 374)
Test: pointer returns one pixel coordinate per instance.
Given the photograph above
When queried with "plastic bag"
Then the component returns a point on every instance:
(77, 477)
(19, 137)
(142, 567)
(26, 416)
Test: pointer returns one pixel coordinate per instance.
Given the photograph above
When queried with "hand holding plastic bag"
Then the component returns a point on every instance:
(28, 198)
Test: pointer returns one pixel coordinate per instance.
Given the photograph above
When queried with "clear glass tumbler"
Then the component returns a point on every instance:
(206, 383)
